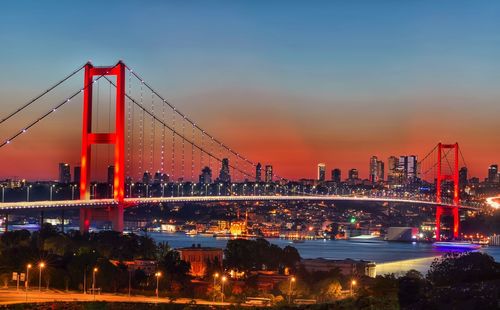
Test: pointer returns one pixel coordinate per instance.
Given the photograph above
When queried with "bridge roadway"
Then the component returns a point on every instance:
(100, 203)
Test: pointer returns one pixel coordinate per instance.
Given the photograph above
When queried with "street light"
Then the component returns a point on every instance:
(223, 280)
(3, 193)
(292, 280)
(157, 275)
(216, 275)
(130, 190)
(40, 266)
(26, 284)
(51, 187)
(93, 280)
(353, 283)
(73, 191)
(28, 193)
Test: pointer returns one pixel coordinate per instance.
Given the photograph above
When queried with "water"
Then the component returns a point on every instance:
(390, 257)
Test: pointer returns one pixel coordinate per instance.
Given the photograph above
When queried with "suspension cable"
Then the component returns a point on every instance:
(176, 133)
(42, 94)
(54, 109)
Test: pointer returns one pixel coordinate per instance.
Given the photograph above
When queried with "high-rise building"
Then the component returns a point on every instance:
(269, 173)
(258, 172)
(206, 176)
(493, 173)
(64, 173)
(392, 168)
(146, 177)
(353, 174)
(224, 175)
(77, 171)
(462, 177)
(408, 167)
(380, 170)
(376, 171)
(158, 178)
(111, 175)
(321, 172)
(372, 176)
(336, 175)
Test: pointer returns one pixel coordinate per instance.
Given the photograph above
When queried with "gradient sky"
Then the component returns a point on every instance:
(291, 83)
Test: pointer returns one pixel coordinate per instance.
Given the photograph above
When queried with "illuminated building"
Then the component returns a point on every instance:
(462, 177)
(269, 173)
(258, 172)
(321, 172)
(493, 174)
(64, 173)
(353, 174)
(380, 170)
(146, 177)
(407, 166)
(336, 175)
(201, 258)
(206, 175)
(224, 175)
(392, 166)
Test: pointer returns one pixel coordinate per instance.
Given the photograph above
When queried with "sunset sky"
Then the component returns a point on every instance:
(290, 83)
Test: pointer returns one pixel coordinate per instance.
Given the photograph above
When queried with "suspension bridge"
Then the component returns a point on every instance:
(147, 134)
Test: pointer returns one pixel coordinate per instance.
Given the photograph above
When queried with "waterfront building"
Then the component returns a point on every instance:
(462, 178)
(224, 175)
(206, 176)
(146, 177)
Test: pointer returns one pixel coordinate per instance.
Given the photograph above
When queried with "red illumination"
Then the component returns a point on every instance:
(117, 138)
(440, 177)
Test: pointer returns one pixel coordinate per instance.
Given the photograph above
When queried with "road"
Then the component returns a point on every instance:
(11, 296)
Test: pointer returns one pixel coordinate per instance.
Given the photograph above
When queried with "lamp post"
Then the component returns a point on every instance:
(353, 283)
(51, 188)
(157, 275)
(216, 275)
(73, 191)
(131, 185)
(28, 193)
(93, 280)
(3, 193)
(255, 189)
(26, 284)
(223, 280)
(40, 266)
(292, 280)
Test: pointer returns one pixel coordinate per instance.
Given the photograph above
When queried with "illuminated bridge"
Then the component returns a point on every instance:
(146, 132)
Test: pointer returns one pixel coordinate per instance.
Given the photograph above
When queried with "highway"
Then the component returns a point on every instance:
(12, 296)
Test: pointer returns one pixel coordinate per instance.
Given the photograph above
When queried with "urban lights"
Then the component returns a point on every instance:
(94, 271)
(223, 281)
(40, 267)
(157, 275)
(353, 283)
(216, 275)
(292, 280)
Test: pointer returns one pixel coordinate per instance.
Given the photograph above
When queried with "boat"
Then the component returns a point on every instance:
(456, 245)
(191, 232)
(298, 241)
(366, 239)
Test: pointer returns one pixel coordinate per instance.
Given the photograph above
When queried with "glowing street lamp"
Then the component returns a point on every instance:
(28, 193)
(93, 280)
(216, 275)
(223, 280)
(51, 189)
(26, 284)
(157, 275)
(292, 280)
(353, 283)
(40, 266)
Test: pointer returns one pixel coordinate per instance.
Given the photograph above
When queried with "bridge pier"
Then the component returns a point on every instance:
(440, 211)
(85, 218)
(116, 217)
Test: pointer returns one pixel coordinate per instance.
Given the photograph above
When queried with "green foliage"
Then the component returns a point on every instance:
(454, 268)
(245, 255)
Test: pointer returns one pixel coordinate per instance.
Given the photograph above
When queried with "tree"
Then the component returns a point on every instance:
(454, 268)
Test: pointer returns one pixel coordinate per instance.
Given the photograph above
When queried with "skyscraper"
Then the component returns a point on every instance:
(76, 175)
(269, 173)
(372, 176)
(258, 172)
(353, 174)
(224, 175)
(64, 173)
(392, 166)
(493, 174)
(380, 170)
(336, 175)
(408, 167)
(321, 172)
(146, 177)
(462, 177)
(111, 175)
(206, 176)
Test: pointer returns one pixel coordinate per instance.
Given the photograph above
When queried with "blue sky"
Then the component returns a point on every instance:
(367, 77)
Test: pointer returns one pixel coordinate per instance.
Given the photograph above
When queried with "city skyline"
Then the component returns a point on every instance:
(316, 92)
